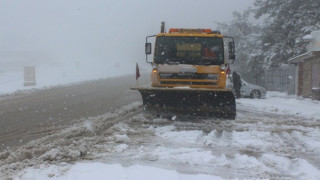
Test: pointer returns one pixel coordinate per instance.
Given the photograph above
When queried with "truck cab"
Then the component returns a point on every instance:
(192, 58)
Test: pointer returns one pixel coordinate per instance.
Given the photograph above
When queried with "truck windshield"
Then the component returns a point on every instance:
(189, 50)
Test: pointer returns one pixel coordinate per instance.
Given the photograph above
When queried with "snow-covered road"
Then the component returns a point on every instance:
(270, 139)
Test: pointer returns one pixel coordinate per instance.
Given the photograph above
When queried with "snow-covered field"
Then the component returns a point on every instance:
(48, 76)
(273, 138)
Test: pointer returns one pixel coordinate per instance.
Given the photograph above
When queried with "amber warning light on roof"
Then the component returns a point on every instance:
(180, 30)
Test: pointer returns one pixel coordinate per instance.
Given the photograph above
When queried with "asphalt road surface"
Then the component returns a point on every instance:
(29, 115)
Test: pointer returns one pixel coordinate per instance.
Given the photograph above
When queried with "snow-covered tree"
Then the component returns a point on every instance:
(247, 40)
(276, 39)
(286, 22)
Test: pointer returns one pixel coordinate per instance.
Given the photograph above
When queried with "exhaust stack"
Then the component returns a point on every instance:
(163, 25)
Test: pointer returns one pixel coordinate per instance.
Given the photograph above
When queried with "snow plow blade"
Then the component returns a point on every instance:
(189, 102)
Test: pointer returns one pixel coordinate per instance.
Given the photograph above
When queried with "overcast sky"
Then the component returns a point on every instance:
(105, 32)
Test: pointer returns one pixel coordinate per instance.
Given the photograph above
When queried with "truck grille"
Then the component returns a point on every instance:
(188, 76)
(187, 83)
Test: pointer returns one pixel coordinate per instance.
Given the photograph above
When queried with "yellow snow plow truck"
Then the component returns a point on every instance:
(189, 74)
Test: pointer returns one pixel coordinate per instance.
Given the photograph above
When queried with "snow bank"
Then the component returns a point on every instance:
(103, 171)
(281, 103)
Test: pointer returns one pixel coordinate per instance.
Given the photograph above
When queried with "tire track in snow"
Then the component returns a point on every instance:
(229, 149)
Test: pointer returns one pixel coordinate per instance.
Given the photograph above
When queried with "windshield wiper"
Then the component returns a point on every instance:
(208, 61)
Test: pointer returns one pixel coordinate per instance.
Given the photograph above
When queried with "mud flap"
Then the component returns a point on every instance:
(189, 102)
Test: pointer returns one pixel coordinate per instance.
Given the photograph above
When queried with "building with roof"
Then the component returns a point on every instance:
(307, 68)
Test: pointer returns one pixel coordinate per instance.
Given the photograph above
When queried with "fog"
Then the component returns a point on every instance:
(98, 35)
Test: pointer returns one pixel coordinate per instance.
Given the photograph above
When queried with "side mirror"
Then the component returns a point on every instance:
(148, 48)
(232, 56)
(231, 47)
(231, 51)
